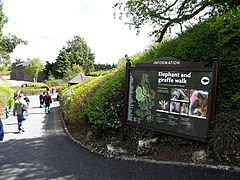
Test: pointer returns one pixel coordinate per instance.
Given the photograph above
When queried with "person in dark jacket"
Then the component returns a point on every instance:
(48, 101)
(41, 100)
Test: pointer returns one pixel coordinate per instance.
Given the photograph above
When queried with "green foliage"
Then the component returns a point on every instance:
(4, 70)
(78, 53)
(98, 67)
(65, 97)
(71, 72)
(162, 15)
(105, 108)
(7, 43)
(74, 98)
(49, 69)
(77, 68)
(95, 73)
(98, 73)
(62, 65)
(35, 66)
(216, 39)
(101, 103)
(55, 82)
(225, 139)
(220, 42)
(6, 98)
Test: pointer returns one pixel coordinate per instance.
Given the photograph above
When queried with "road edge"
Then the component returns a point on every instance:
(219, 167)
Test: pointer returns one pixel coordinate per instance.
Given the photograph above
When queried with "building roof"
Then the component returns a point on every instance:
(23, 63)
(79, 78)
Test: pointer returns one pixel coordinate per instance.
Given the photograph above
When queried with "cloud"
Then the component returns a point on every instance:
(48, 24)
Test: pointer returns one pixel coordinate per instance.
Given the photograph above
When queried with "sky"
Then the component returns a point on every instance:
(47, 25)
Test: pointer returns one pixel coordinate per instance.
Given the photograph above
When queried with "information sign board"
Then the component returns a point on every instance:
(172, 98)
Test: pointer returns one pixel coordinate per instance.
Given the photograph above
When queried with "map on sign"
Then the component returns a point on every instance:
(145, 99)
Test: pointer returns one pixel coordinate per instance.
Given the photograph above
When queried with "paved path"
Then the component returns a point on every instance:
(44, 151)
(5, 81)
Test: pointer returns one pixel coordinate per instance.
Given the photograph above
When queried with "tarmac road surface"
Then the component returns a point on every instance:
(44, 151)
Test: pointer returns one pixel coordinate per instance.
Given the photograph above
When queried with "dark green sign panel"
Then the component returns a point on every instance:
(175, 102)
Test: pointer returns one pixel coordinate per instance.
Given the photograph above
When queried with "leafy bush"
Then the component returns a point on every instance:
(65, 97)
(105, 108)
(225, 139)
(55, 82)
(4, 70)
(98, 73)
(75, 98)
(6, 98)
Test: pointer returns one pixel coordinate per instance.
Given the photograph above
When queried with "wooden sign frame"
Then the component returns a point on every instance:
(172, 97)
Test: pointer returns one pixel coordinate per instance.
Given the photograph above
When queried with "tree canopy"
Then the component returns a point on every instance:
(79, 53)
(7, 43)
(98, 67)
(76, 52)
(35, 66)
(62, 64)
(164, 14)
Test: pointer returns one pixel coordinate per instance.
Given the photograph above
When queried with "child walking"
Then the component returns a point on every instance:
(7, 111)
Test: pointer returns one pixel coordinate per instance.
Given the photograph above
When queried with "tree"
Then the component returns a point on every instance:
(7, 43)
(62, 64)
(70, 73)
(77, 69)
(164, 14)
(35, 66)
(104, 67)
(49, 68)
(79, 53)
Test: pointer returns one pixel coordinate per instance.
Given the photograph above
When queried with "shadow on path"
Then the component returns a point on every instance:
(46, 152)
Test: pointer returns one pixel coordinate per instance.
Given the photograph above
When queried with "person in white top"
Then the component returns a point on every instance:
(19, 109)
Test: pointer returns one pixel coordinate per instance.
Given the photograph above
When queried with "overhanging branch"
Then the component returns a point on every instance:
(179, 20)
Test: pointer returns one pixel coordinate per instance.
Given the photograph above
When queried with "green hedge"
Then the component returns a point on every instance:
(225, 138)
(105, 108)
(6, 98)
(74, 98)
(215, 39)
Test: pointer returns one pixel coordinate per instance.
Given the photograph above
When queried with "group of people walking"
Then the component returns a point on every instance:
(20, 108)
(21, 105)
(45, 101)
